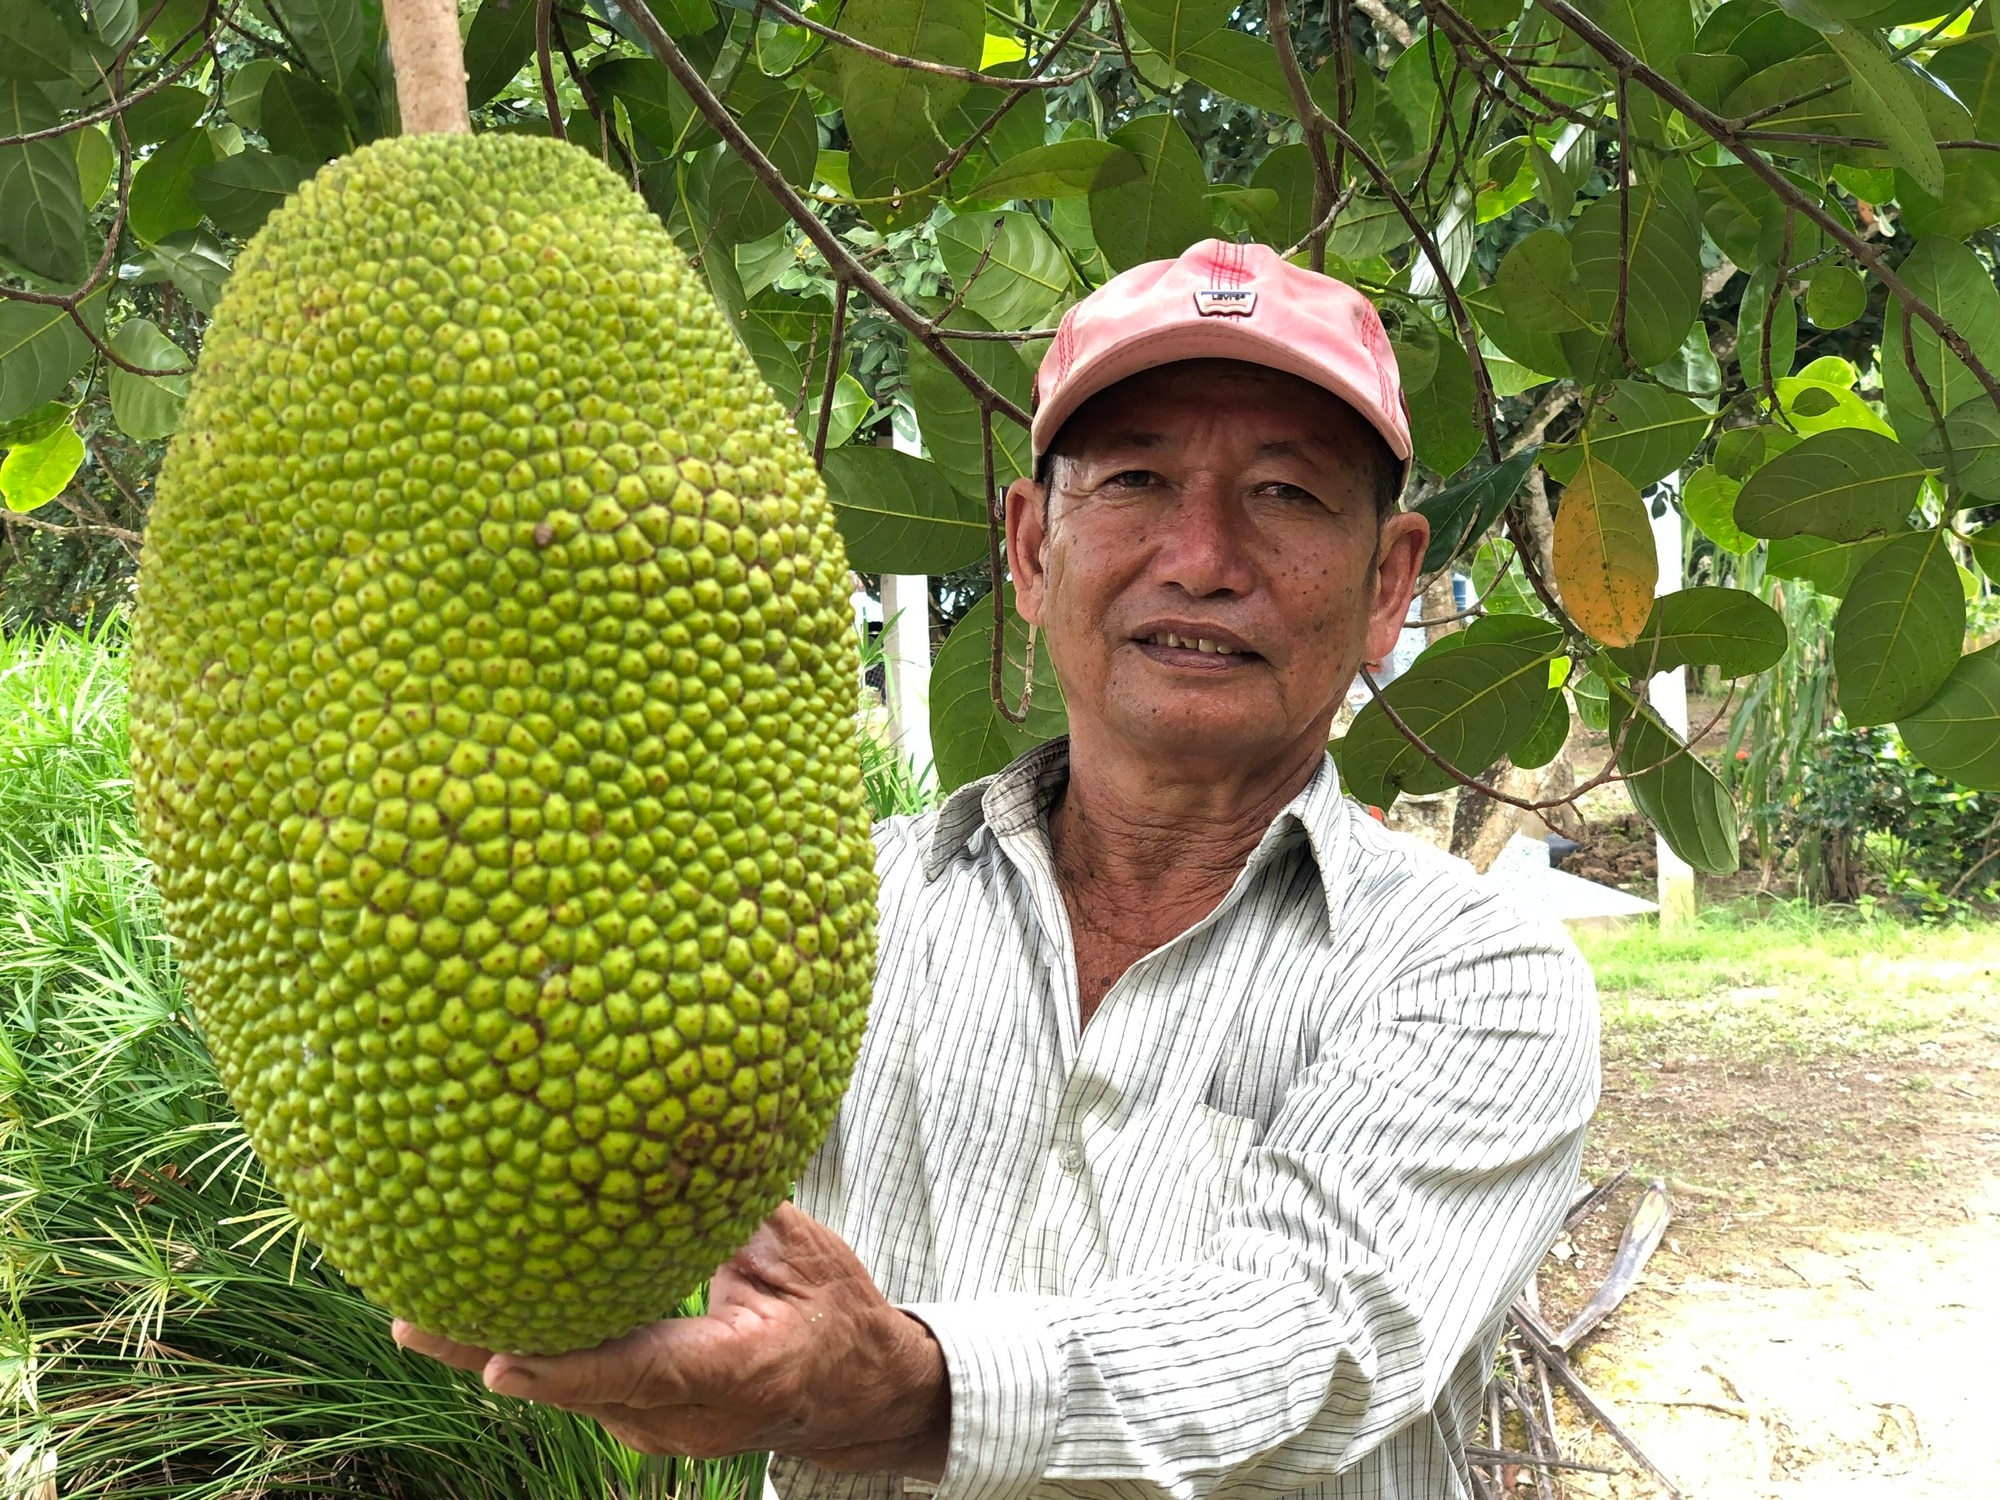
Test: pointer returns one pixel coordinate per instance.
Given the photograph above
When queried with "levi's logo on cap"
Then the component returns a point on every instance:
(1220, 302)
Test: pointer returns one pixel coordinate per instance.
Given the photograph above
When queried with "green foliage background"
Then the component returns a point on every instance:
(1735, 258)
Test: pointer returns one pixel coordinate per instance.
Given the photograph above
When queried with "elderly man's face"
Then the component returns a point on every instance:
(1210, 570)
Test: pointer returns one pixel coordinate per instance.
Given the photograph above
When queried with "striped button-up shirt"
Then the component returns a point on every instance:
(1254, 1229)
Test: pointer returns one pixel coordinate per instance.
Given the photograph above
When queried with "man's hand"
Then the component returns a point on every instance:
(799, 1353)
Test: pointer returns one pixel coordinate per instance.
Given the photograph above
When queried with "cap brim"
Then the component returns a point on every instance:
(1223, 338)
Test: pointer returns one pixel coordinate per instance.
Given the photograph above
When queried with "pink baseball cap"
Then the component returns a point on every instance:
(1224, 301)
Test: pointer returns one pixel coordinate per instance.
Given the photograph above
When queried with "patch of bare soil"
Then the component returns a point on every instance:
(1824, 1315)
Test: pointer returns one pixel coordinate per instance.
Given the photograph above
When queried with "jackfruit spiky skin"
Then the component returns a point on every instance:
(492, 696)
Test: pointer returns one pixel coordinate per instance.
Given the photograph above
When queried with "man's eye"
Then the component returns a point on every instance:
(1133, 479)
(1289, 492)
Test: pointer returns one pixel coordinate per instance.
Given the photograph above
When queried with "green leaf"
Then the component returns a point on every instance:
(1845, 484)
(1899, 629)
(1067, 169)
(889, 111)
(96, 160)
(335, 37)
(1642, 431)
(1025, 277)
(243, 94)
(40, 348)
(34, 46)
(899, 514)
(33, 474)
(1545, 741)
(161, 116)
(1724, 628)
(1678, 795)
(1663, 274)
(1240, 67)
(1540, 352)
(1160, 212)
(1830, 567)
(1538, 286)
(147, 406)
(196, 265)
(1957, 733)
(851, 405)
(42, 216)
(498, 46)
(240, 191)
(1835, 295)
(1287, 173)
(35, 425)
(742, 207)
(163, 199)
(1461, 513)
(1468, 704)
(1170, 27)
(1656, 33)
(1952, 279)
(1813, 405)
(1750, 328)
(1985, 546)
(1605, 560)
(969, 736)
(1886, 97)
(949, 417)
(657, 105)
(1973, 431)
(1367, 227)
(1708, 499)
(302, 118)
(1443, 428)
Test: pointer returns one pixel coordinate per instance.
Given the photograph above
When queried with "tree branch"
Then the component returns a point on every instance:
(920, 64)
(1727, 133)
(1326, 191)
(845, 266)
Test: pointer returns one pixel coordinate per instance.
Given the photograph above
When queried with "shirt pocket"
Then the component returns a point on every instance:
(1218, 1147)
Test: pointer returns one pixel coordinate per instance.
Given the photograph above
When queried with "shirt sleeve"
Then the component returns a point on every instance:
(1406, 1188)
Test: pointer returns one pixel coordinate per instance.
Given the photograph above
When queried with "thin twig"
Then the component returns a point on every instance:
(833, 354)
(843, 263)
(1727, 134)
(1278, 19)
(120, 105)
(544, 24)
(920, 64)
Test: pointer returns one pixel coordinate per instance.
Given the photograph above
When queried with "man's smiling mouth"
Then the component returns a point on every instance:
(1182, 643)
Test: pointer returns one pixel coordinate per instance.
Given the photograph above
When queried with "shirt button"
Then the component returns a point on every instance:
(1071, 1157)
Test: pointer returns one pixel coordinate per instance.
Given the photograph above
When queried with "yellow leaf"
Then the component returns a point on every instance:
(1605, 563)
(1000, 49)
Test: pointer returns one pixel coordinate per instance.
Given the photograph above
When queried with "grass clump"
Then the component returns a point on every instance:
(1791, 980)
(165, 1329)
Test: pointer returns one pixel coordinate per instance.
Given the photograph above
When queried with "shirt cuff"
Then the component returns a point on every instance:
(1006, 1393)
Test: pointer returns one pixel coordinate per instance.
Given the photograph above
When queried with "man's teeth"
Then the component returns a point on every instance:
(1194, 643)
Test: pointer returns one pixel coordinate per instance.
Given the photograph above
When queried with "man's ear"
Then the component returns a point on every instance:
(1399, 557)
(1027, 529)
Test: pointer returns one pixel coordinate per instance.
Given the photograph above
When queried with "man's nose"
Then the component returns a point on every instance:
(1205, 548)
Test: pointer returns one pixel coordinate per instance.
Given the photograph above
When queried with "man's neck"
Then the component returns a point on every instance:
(1143, 851)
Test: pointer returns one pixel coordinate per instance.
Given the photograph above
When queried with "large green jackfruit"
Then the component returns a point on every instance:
(492, 721)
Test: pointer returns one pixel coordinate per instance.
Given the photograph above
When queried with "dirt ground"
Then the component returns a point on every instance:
(1823, 1318)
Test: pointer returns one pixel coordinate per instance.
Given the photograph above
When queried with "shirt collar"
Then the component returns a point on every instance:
(1017, 800)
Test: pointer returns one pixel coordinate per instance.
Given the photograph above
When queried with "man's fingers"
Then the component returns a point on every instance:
(669, 1363)
(459, 1356)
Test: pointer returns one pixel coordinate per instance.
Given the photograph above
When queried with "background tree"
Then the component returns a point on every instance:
(1734, 258)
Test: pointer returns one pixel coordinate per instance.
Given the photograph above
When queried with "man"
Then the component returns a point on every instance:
(1204, 1129)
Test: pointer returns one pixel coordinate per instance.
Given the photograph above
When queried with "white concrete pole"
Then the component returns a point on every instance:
(906, 652)
(1668, 691)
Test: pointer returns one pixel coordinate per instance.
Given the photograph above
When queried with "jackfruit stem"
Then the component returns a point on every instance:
(429, 59)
